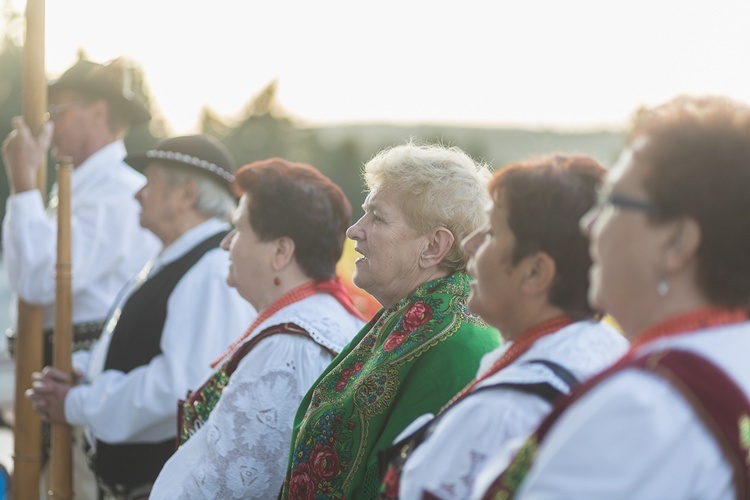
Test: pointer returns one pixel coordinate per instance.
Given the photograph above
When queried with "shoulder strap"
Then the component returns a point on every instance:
(544, 390)
(562, 373)
(716, 399)
(249, 345)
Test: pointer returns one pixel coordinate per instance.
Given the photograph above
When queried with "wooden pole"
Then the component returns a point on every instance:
(61, 457)
(27, 430)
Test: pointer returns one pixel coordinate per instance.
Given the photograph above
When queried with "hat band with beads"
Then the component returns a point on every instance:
(191, 160)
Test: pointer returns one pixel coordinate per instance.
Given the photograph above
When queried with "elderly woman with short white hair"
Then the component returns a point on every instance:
(423, 346)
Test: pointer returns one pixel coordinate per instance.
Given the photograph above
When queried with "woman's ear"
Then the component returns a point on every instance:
(539, 272)
(439, 242)
(283, 252)
(682, 243)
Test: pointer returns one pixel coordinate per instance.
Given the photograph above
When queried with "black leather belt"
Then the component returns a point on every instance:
(84, 335)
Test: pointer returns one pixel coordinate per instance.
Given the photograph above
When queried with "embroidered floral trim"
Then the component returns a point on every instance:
(744, 431)
(199, 404)
(507, 483)
(318, 462)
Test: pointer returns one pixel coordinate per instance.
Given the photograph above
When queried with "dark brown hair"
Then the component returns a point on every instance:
(696, 158)
(546, 197)
(297, 201)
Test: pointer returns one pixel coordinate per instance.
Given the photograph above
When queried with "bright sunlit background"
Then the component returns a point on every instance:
(574, 64)
(563, 64)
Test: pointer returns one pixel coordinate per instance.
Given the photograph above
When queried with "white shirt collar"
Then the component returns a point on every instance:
(188, 241)
(98, 164)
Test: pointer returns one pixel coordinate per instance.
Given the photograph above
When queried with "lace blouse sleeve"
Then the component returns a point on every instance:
(241, 451)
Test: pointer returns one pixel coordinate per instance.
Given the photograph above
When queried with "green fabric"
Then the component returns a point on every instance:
(195, 410)
(408, 360)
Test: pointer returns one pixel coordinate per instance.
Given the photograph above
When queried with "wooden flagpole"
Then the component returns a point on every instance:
(29, 343)
(61, 457)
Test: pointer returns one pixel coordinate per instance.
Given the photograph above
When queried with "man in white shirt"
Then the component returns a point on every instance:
(173, 319)
(91, 109)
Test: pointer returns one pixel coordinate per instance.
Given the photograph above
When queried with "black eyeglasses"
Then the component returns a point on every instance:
(55, 110)
(625, 203)
(617, 201)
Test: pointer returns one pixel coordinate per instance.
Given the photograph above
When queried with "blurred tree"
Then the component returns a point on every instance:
(342, 163)
(212, 125)
(143, 137)
(265, 130)
(11, 97)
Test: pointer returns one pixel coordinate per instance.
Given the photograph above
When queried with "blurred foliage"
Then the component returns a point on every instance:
(266, 130)
(11, 98)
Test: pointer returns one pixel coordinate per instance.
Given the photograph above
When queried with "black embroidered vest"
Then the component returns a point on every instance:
(135, 342)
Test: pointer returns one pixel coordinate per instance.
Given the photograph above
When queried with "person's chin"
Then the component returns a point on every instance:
(594, 297)
(145, 222)
(594, 285)
(474, 303)
(358, 279)
(231, 282)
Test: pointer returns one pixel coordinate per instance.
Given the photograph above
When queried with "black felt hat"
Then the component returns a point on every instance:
(112, 81)
(195, 151)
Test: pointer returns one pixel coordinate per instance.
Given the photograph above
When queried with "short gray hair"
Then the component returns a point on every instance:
(214, 200)
(436, 186)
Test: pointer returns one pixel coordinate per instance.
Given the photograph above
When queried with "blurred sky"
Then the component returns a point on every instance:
(566, 64)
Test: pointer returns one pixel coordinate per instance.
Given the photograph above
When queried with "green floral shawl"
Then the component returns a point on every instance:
(410, 359)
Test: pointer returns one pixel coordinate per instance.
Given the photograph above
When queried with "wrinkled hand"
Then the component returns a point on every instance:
(24, 153)
(47, 394)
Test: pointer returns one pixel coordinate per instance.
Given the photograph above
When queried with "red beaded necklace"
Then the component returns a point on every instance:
(522, 344)
(689, 322)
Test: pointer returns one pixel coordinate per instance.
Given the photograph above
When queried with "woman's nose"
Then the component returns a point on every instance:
(228, 240)
(354, 232)
(586, 223)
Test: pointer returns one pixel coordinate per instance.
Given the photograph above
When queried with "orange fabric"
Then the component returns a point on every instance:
(336, 288)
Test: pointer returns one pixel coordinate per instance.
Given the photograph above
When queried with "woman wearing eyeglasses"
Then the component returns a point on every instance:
(670, 241)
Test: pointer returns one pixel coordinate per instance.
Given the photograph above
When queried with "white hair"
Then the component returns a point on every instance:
(436, 186)
(214, 199)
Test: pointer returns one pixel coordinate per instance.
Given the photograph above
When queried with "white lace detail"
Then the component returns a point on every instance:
(249, 439)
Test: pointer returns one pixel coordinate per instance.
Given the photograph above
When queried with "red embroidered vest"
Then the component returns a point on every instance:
(716, 397)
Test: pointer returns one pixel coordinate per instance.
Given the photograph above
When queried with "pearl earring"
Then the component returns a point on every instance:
(662, 288)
